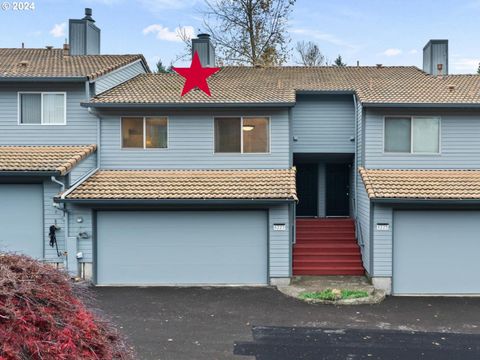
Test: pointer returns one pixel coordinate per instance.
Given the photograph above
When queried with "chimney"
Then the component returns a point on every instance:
(435, 57)
(205, 49)
(84, 35)
(66, 49)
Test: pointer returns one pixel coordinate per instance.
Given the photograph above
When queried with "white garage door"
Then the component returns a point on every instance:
(21, 219)
(181, 247)
(436, 252)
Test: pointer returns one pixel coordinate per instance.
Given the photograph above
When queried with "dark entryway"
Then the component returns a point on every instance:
(307, 189)
(338, 189)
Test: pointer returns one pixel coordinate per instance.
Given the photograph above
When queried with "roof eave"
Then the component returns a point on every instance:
(183, 105)
(30, 173)
(325, 92)
(419, 201)
(174, 201)
(421, 105)
(49, 79)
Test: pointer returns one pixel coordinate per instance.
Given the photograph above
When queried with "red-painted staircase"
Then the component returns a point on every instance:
(326, 247)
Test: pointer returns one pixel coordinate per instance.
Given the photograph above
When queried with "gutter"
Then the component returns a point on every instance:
(422, 105)
(183, 105)
(62, 199)
(427, 201)
(50, 78)
(30, 173)
(324, 92)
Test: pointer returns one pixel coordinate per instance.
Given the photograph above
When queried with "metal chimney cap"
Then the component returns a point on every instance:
(88, 14)
(203, 36)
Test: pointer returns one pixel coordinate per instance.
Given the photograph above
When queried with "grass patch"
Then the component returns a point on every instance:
(333, 294)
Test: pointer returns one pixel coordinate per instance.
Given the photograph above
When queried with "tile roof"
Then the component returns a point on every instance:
(39, 63)
(59, 159)
(421, 184)
(187, 184)
(242, 84)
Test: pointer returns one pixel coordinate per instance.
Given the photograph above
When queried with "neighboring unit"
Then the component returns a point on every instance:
(283, 171)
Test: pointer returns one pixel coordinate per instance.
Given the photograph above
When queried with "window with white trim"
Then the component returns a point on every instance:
(42, 108)
(412, 134)
(145, 132)
(246, 135)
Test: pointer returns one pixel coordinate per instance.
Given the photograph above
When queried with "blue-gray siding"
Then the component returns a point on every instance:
(118, 76)
(322, 190)
(52, 216)
(81, 127)
(191, 144)
(324, 124)
(382, 240)
(82, 168)
(460, 145)
(84, 245)
(280, 243)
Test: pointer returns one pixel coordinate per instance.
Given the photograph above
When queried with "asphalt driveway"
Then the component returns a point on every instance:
(204, 323)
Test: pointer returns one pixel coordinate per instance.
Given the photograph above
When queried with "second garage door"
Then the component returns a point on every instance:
(181, 247)
(21, 219)
(436, 252)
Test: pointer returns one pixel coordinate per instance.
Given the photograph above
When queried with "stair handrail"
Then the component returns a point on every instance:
(358, 230)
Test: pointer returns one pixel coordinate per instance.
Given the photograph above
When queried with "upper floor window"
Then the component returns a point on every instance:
(247, 134)
(42, 108)
(145, 132)
(418, 135)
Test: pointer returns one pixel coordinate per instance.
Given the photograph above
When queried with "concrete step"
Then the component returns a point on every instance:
(328, 270)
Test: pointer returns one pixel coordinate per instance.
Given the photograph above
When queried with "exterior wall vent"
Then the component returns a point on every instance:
(205, 49)
(435, 57)
(84, 35)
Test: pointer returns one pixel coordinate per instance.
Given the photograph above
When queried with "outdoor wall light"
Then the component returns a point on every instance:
(79, 219)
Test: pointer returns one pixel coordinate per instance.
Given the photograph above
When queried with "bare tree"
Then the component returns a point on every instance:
(310, 54)
(249, 32)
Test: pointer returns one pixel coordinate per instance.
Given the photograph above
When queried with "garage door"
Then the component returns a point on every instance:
(21, 219)
(184, 247)
(436, 252)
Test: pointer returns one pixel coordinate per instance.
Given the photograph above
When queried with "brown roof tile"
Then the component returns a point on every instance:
(377, 85)
(40, 63)
(421, 184)
(59, 159)
(187, 184)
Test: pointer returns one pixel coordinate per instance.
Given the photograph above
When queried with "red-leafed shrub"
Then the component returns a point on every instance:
(42, 318)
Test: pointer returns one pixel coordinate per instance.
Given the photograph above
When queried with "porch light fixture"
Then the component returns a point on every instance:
(248, 127)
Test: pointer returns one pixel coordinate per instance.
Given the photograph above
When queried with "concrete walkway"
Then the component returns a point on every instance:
(204, 323)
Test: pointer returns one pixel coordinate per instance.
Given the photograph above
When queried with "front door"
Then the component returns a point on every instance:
(338, 188)
(307, 189)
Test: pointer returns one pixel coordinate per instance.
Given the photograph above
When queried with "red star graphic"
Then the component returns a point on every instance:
(196, 76)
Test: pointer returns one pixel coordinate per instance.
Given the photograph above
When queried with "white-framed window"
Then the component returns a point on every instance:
(42, 108)
(144, 132)
(242, 134)
(411, 134)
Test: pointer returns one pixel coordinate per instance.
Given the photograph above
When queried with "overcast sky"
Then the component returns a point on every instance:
(390, 32)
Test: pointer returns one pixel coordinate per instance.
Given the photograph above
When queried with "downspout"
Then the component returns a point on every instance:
(99, 124)
(65, 218)
(356, 155)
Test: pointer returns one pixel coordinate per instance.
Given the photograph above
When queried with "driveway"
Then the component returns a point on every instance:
(204, 323)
